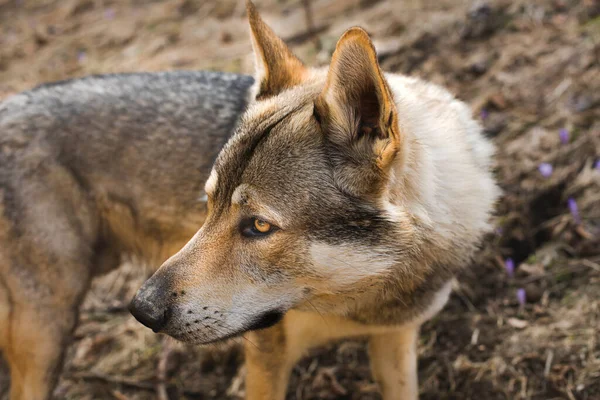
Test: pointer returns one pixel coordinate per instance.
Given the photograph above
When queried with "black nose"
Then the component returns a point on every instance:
(148, 313)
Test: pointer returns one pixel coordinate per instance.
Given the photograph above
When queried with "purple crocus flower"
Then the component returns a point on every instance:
(597, 166)
(109, 13)
(521, 296)
(574, 210)
(563, 134)
(81, 56)
(484, 114)
(545, 169)
(509, 265)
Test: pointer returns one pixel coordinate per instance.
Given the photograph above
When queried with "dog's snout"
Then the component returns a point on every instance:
(151, 315)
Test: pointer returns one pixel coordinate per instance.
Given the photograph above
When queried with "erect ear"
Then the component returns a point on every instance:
(356, 106)
(277, 68)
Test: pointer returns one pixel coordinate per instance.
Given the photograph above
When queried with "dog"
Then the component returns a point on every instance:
(344, 205)
(90, 170)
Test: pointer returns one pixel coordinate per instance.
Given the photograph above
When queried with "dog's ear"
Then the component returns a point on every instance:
(277, 68)
(357, 109)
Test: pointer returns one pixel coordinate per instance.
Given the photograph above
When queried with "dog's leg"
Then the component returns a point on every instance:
(38, 337)
(45, 271)
(394, 363)
(267, 364)
(272, 353)
(42, 316)
(4, 318)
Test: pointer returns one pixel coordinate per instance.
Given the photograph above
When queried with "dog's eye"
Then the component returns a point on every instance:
(262, 226)
(256, 227)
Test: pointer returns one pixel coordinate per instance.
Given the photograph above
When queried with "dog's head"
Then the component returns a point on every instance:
(296, 215)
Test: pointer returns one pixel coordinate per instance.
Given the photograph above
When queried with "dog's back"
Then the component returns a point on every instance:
(141, 145)
(90, 169)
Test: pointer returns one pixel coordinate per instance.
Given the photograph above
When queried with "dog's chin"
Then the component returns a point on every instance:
(262, 321)
(266, 320)
(192, 339)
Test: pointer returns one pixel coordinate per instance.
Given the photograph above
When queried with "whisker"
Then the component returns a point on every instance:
(319, 312)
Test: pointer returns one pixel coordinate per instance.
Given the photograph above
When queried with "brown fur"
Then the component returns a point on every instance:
(372, 215)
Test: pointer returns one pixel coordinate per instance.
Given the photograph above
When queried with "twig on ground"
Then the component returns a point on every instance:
(115, 380)
(119, 396)
(161, 370)
(124, 382)
(548, 363)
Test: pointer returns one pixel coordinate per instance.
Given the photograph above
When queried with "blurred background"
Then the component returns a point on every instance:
(524, 319)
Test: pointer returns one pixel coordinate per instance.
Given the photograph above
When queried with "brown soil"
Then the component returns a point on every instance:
(528, 68)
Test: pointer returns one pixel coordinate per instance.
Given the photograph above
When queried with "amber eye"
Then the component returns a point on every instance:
(256, 227)
(262, 226)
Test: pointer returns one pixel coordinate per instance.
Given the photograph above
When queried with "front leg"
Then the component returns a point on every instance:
(267, 364)
(272, 353)
(394, 363)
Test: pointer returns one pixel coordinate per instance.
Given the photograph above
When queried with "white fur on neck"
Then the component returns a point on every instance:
(444, 180)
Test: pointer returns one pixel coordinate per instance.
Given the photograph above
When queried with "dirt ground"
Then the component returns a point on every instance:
(531, 72)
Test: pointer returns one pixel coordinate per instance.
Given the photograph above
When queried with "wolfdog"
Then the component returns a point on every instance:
(343, 205)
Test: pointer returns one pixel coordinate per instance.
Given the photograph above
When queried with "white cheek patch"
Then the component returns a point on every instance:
(345, 265)
(211, 183)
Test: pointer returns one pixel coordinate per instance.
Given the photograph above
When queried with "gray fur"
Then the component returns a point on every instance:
(128, 126)
(91, 169)
(147, 140)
